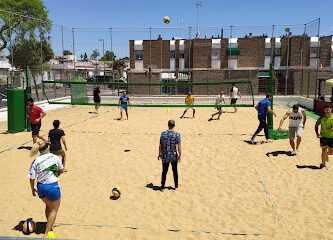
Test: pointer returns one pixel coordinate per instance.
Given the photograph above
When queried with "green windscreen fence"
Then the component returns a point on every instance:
(167, 92)
(78, 92)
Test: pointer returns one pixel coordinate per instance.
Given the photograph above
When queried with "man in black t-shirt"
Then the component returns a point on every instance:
(97, 98)
(55, 135)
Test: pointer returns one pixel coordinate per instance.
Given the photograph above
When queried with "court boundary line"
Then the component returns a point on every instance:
(70, 125)
(175, 230)
(273, 205)
(27, 238)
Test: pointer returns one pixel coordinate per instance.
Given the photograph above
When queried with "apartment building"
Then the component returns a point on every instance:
(306, 60)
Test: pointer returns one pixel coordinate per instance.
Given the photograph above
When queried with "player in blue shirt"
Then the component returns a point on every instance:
(263, 108)
(170, 152)
(124, 100)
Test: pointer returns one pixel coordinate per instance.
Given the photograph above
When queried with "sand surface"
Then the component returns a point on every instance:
(227, 187)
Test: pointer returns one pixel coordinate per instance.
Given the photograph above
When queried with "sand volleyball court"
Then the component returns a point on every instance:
(228, 188)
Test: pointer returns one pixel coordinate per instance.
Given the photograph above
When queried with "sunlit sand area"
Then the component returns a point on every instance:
(229, 189)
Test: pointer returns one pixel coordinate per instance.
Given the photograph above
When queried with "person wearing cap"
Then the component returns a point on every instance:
(170, 152)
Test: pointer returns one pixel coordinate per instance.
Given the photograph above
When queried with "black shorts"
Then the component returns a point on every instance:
(233, 100)
(96, 100)
(35, 129)
(326, 142)
(219, 108)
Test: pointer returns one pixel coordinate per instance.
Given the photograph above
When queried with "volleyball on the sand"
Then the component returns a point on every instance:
(166, 19)
(29, 226)
(116, 192)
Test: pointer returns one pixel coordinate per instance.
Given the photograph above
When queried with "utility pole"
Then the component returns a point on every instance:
(287, 72)
(103, 56)
(198, 4)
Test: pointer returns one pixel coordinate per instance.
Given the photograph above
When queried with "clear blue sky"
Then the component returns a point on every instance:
(149, 13)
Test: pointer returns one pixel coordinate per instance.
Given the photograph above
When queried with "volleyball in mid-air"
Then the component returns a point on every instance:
(166, 19)
(116, 192)
(29, 226)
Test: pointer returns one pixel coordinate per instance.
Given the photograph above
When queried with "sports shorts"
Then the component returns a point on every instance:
(35, 129)
(295, 130)
(51, 191)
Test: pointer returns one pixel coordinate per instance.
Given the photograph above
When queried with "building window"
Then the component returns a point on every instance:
(172, 54)
(232, 61)
(268, 51)
(263, 85)
(277, 51)
(138, 54)
(181, 55)
(216, 53)
(233, 45)
(314, 52)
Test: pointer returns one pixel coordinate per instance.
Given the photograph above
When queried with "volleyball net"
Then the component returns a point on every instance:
(166, 93)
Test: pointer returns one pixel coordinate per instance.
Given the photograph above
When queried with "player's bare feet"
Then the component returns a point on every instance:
(161, 189)
(322, 166)
(268, 141)
(252, 141)
(294, 152)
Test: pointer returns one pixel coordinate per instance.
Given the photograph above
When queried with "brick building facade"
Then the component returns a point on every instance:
(242, 59)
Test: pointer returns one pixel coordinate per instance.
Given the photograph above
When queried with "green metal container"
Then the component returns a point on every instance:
(276, 135)
(16, 110)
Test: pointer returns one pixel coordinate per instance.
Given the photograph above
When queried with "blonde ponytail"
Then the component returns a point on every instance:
(37, 147)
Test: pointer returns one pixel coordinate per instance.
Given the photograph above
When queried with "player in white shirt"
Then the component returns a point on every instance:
(46, 168)
(234, 94)
(219, 100)
(297, 119)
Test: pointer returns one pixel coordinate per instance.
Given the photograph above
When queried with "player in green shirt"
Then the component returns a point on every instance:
(326, 135)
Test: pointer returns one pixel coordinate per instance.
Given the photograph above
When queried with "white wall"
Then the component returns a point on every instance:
(181, 63)
(267, 62)
(216, 64)
(172, 64)
(138, 64)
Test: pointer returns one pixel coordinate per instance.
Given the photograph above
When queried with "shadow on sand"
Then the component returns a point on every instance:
(40, 227)
(308, 166)
(25, 147)
(255, 143)
(277, 153)
(158, 188)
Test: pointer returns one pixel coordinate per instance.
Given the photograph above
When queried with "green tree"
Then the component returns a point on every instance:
(23, 27)
(108, 56)
(94, 55)
(85, 57)
(67, 52)
(33, 54)
(118, 66)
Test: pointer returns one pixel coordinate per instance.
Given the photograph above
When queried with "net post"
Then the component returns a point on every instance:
(270, 90)
(27, 95)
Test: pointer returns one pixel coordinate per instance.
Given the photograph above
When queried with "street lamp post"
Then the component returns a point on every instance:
(103, 56)
(198, 4)
(287, 71)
